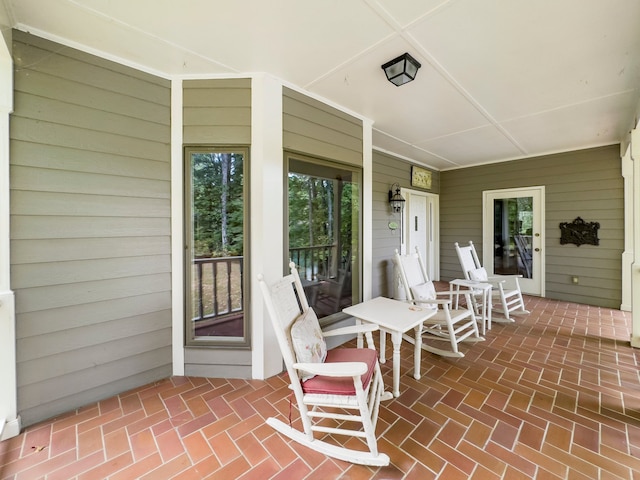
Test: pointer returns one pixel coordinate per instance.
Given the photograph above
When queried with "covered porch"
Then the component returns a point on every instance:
(551, 397)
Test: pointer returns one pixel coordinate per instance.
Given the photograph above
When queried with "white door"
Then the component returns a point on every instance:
(421, 229)
(513, 235)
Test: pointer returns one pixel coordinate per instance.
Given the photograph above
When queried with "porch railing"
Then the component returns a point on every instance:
(216, 292)
(313, 261)
(218, 287)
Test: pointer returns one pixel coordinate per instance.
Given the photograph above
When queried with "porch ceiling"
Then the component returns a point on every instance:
(500, 79)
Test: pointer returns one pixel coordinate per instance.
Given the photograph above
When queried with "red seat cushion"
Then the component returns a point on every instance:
(342, 385)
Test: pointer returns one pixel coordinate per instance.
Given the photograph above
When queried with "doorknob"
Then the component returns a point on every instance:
(537, 249)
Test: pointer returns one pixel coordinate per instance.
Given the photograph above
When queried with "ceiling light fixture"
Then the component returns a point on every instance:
(401, 70)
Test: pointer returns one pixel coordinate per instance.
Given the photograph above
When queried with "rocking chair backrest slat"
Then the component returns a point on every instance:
(285, 301)
(468, 259)
(412, 270)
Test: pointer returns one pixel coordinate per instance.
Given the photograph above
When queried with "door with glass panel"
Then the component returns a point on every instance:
(513, 235)
(215, 239)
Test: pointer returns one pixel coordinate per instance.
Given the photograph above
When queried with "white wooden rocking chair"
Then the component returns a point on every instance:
(448, 324)
(345, 385)
(506, 288)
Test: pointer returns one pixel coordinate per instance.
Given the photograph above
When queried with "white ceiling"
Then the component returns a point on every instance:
(500, 79)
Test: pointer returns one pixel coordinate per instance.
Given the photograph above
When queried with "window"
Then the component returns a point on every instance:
(324, 231)
(215, 235)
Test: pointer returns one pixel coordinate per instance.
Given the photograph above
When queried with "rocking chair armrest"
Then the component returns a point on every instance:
(464, 291)
(337, 369)
(363, 328)
(437, 301)
(502, 278)
(496, 280)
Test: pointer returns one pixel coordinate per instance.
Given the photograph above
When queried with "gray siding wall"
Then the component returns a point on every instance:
(585, 183)
(388, 170)
(217, 112)
(313, 128)
(90, 227)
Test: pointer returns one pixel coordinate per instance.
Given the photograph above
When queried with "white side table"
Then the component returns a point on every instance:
(485, 289)
(396, 318)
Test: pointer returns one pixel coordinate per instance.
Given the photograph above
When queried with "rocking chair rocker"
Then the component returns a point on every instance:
(343, 384)
(448, 324)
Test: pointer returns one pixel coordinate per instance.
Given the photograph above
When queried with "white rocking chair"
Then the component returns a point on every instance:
(506, 288)
(347, 380)
(448, 324)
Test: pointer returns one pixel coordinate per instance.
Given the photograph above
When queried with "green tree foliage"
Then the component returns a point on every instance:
(316, 207)
(217, 192)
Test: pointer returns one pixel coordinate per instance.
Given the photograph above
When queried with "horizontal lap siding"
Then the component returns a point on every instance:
(90, 227)
(388, 170)
(217, 112)
(585, 183)
(314, 128)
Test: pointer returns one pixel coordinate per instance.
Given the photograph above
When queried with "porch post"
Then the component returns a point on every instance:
(367, 209)
(9, 418)
(266, 217)
(635, 267)
(627, 254)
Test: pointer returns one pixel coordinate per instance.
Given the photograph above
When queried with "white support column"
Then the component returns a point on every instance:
(367, 210)
(177, 231)
(9, 418)
(267, 177)
(627, 254)
(635, 267)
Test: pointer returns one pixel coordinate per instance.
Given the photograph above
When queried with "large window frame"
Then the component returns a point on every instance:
(329, 169)
(242, 341)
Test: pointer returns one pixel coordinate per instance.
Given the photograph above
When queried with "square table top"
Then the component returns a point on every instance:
(390, 314)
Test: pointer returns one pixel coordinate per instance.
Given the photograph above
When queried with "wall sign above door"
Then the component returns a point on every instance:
(420, 177)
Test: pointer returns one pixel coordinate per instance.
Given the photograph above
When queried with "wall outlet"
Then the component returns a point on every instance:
(575, 280)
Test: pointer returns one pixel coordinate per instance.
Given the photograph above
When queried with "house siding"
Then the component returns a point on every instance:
(586, 183)
(90, 227)
(388, 170)
(314, 128)
(217, 112)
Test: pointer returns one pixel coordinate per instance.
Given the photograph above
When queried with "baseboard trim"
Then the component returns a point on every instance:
(11, 428)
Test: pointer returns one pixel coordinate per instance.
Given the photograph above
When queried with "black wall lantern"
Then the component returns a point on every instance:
(401, 70)
(395, 199)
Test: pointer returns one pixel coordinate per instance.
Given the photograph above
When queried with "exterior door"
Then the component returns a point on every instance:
(421, 229)
(513, 235)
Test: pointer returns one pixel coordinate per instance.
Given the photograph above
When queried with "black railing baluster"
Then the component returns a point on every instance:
(229, 304)
(200, 302)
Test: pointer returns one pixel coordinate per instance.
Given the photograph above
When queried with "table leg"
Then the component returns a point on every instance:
(383, 346)
(417, 352)
(489, 309)
(484, 311)
(359, 340)
(396, 338)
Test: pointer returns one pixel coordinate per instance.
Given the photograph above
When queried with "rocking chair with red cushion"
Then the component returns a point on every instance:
(343, 384)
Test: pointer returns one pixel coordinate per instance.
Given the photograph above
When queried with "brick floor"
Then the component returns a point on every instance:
(555, 395)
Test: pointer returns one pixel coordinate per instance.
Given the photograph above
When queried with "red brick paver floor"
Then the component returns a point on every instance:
(555, 395)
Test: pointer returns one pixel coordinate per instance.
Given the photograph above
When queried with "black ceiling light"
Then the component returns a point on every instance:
(401, 70)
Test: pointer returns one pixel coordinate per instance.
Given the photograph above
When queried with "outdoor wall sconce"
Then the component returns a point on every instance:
(395, 199)
(401, 70)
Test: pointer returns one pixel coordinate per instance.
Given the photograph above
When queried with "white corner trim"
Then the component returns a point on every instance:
(177, 240)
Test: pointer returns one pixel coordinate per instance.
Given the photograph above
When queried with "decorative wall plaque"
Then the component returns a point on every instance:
(579, 232)
(420, 177)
